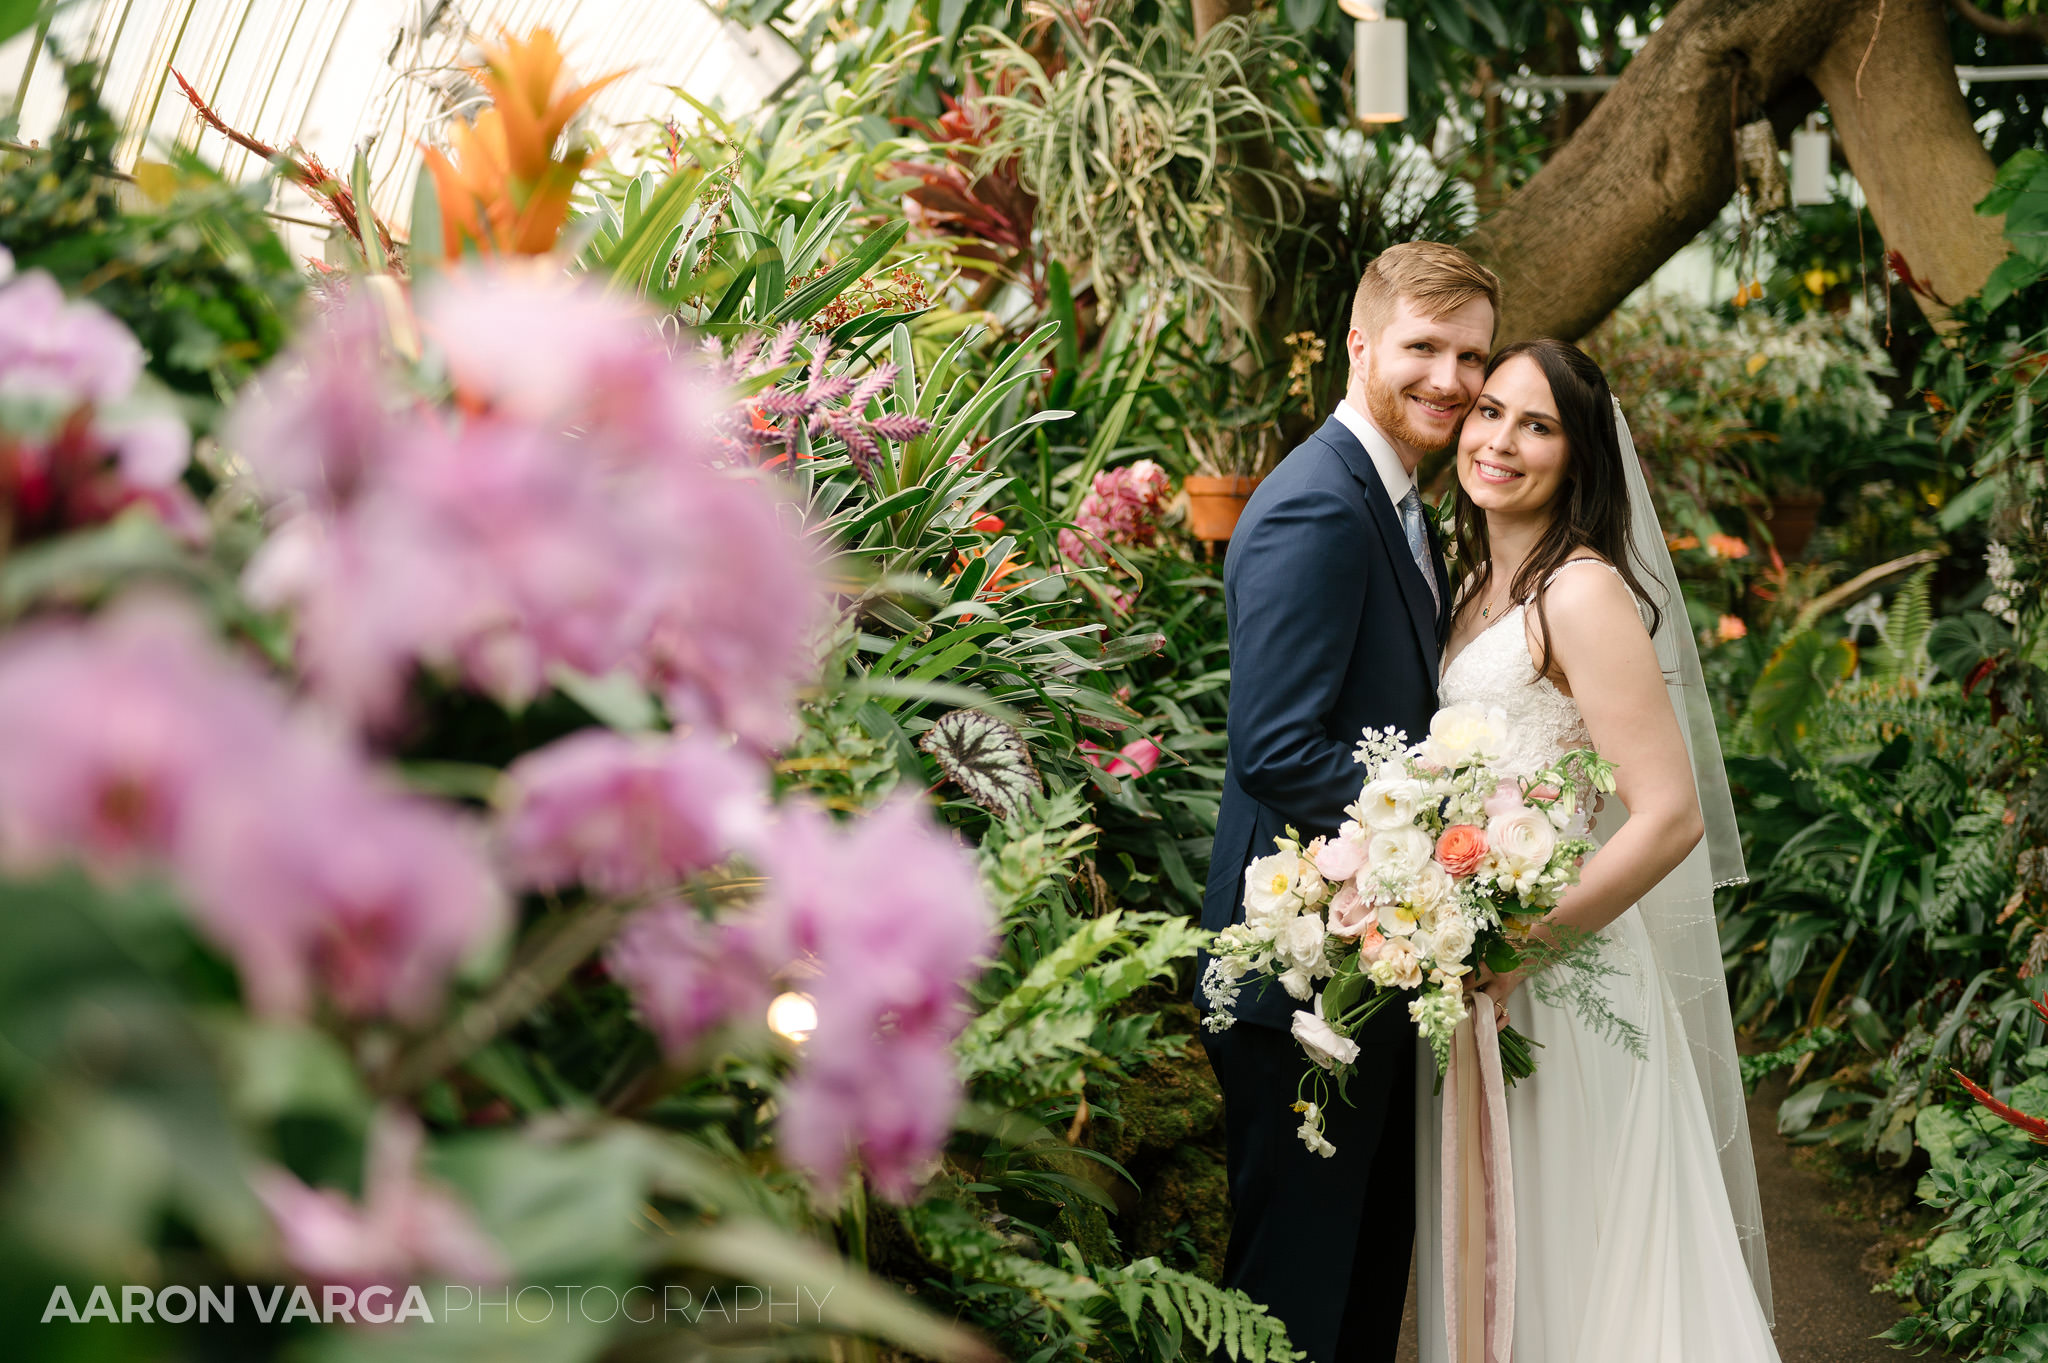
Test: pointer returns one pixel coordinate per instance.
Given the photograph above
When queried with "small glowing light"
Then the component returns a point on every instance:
(793, 1016)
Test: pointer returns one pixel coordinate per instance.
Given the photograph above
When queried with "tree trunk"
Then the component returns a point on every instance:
(1656, 160)
(1909, 138)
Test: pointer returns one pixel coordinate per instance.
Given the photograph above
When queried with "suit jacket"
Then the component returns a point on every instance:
(1332, 631)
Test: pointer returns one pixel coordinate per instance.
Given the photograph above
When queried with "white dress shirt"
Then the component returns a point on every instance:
(1399, 481)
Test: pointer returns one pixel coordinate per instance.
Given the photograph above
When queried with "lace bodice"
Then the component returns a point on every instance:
(1495, 669)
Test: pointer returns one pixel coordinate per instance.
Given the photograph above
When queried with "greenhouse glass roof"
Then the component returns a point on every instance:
(337, 74)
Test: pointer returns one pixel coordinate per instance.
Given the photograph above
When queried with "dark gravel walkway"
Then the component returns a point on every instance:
(1826, 1312)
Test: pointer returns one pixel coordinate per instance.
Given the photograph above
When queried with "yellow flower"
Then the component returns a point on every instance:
(1755, 363)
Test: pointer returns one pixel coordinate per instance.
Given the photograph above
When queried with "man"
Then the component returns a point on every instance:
(1338, 601)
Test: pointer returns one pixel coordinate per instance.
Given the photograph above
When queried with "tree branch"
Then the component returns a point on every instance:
(2033, 26)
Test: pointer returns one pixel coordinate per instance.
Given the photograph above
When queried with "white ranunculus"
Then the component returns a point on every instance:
(1389, 804)
(1462, 734)
(1524, 839)
(1398, 853)
(1325, 1044)
(1272, 891)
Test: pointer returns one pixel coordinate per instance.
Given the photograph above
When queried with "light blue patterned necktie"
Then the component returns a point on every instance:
(1418, 543)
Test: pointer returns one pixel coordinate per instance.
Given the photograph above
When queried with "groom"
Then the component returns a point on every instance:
(1338, 602)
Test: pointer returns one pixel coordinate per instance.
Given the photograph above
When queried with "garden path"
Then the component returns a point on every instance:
(1826, 1312)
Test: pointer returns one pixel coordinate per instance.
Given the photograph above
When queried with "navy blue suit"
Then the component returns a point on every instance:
(1332, 631)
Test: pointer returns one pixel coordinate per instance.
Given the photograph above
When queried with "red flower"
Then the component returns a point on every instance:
(990, 524)
(2035, 1127)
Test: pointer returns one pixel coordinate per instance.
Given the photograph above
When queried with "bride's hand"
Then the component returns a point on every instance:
(1498, 988)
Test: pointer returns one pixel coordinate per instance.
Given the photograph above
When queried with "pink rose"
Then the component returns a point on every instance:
(1369, 945)
(1343, 856)
(1545, 791)
(1350, 915)
(1505, 800)
(1462, 847)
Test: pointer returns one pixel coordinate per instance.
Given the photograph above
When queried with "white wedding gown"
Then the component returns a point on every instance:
(1626, 1247)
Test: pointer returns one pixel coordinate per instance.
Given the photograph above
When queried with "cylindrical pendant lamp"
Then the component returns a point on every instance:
(1811, 157)
(1379, 76)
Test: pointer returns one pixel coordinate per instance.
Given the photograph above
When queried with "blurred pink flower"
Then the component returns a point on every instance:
(623, 815)
(891, 908)
(112, 732)
(1122, 507)
(570, 516)
(1139, 757)
(132, 740)
(889, 1106)
(889, 912)
(78, 444)
(543, 351)
(687, 975)
(403, 1230)
(61, 353)
(316, 879)
(325, 416)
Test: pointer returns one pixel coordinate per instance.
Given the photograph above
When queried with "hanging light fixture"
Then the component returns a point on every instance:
(1379, 77)
(1811, 154)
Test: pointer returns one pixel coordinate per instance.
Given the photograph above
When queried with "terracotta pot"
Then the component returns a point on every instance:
(1215, 503)
(1793, 518)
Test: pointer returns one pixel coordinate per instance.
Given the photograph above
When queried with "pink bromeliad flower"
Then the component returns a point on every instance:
(623, 815)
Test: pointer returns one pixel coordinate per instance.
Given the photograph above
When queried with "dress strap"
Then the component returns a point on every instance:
(1573, 563)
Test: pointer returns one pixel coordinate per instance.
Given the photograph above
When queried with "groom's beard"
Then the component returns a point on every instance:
(1389, 408)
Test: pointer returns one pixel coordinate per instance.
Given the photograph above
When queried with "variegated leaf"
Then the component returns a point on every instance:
(986, 758)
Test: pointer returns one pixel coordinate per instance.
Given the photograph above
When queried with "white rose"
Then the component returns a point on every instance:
(1299, 942)
(1462, 734)
(1325, 1044)
(1389, 804)
(1397, 967)
(1433, 890)
(1399, 852)
(1454, 937)
(1271, 892)
(1524, 839)
(1298, 982)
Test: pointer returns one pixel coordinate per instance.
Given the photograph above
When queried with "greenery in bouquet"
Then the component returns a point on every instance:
(1443, 865)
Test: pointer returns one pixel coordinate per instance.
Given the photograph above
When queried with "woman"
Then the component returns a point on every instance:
(1637, 1231)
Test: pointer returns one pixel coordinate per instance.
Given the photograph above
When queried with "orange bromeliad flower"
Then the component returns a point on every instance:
(504, 189)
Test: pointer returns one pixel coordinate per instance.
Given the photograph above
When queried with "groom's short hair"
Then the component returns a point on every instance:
(1436, 277)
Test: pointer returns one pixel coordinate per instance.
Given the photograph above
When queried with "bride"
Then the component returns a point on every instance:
(1637, 1231)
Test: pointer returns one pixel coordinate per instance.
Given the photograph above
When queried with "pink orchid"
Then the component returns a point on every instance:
(1139, 757)
(625, 814)
(889, 1106)
(404, 1227)
(687, 975)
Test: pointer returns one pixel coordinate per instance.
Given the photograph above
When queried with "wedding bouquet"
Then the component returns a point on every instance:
(1444, 864)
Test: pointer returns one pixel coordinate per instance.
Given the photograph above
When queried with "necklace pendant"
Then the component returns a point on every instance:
(1485, 611)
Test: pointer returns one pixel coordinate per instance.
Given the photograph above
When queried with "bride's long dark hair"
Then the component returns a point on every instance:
(1592, 506)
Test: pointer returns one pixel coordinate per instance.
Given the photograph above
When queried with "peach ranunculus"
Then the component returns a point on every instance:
(1461, 848)
(1730, 628)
